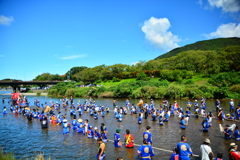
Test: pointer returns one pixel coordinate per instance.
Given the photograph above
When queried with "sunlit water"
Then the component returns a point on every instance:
(26, 139)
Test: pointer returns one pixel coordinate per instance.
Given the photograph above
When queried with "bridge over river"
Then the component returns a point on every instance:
(16, 85)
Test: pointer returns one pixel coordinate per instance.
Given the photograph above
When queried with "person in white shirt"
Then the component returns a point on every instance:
(205, 149)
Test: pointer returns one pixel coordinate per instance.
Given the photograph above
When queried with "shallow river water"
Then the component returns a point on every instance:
(27, 139)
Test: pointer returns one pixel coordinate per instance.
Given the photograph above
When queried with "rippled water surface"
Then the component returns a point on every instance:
(26, 139)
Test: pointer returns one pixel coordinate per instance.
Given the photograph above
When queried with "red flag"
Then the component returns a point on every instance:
(15, 95)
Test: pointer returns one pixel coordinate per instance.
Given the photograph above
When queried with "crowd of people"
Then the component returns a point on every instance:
(50, 113)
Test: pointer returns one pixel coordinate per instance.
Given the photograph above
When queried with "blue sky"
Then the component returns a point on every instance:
(52, 36)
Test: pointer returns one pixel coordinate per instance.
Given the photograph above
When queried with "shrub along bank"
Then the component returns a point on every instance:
(223, 85)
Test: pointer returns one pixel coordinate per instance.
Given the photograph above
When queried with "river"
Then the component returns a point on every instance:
(27, 139)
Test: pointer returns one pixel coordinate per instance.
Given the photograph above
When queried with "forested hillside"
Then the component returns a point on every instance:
(213, 45)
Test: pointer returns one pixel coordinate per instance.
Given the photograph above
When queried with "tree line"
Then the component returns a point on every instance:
(174, 77)
(184, 64)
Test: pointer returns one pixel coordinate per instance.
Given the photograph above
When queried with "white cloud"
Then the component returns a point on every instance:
(6, 20)
(226, 5)
(74, 56)
(156, 31)
(134, 63)
(226, 30)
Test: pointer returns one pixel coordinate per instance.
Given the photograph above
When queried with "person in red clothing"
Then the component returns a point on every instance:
(220, 114)
(175, 155)
(233, 153)
(176, 106)
(129, 139)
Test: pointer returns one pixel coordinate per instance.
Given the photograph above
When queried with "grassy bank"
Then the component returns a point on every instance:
(6, 156)
(10, 156)
(196, 86)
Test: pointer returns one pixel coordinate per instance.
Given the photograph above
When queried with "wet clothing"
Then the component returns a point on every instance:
(160, 120)
(237, 135)
(99, 152)
(90, 133)
(117, 140)
(129, 140)
(65, 128)
(189, 104)
(166, 117)
(146, 152)
(4, 111)
(80, 127)
(174, 156)
(96, 135)
(228, 133)
(147, 136)
(183, 124)
(220, 115)
(188, 113)
(217, 104)
(44, 123)
(29, 117)
(232, 118)
(120, 116)
(233, 155)
(238, 113)
(74, 124)
(205, 126)
(139, 120)
(103, 128)
(86, 127)
(104, 137)
(103, 113)
(95, 116)
(146, 114)
(195, 105)
(154, 117)
(184, 151)
(231, 108)
(114, 103)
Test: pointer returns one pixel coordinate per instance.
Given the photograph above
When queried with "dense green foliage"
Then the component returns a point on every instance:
(156, 88)
(6, 156)
(49, 77)
(212, 72)
(142, 76)
(10, 156)
(184, 65)
(8, 79)
(213, 45)
(225, 79)
(73, 71)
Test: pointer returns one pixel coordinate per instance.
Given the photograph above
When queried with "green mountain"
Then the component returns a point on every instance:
(212, 44)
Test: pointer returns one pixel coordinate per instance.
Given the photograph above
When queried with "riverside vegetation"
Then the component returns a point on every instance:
(10, 156)
(213, 72)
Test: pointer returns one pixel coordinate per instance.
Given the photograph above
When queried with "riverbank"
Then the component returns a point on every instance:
(10, 156)
(155, 88)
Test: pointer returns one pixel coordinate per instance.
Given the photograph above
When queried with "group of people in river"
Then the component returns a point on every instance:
(51, 114)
